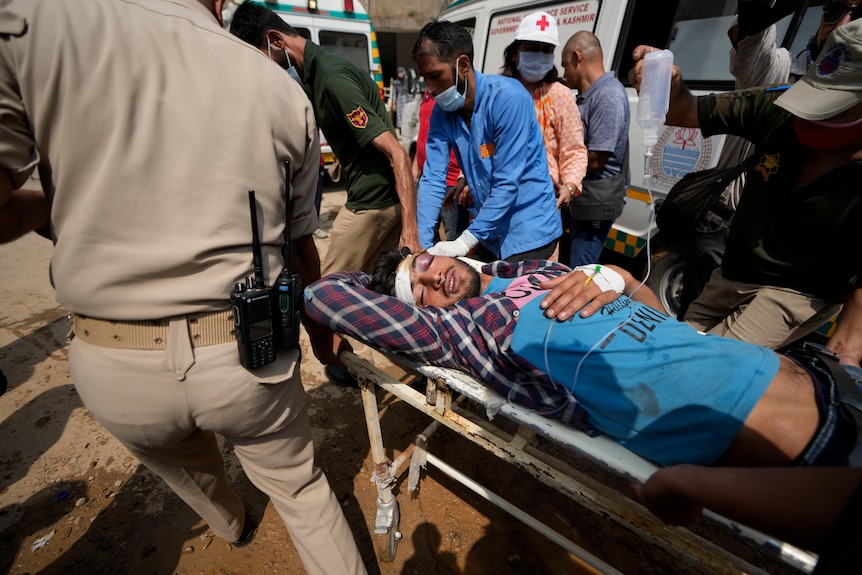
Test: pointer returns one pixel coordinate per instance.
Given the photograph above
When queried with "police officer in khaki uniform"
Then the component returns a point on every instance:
(153, 138)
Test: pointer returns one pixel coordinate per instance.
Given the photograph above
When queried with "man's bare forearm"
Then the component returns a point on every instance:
(404, 186)
(798, 505)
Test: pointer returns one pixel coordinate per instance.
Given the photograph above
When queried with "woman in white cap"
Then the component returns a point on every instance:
(530, 59)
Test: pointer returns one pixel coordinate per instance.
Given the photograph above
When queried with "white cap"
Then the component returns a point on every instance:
(538, 27)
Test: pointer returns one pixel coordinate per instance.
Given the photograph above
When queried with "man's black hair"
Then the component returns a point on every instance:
(445, 41)
(385, 268)
(251, 22)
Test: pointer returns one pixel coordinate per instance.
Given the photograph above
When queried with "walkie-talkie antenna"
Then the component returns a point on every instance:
(255, 243)
(287, 250)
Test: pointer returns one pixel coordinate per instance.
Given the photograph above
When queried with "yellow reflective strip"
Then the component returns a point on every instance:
(638, 195)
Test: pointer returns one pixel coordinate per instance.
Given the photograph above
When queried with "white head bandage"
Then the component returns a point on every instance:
(403, 291)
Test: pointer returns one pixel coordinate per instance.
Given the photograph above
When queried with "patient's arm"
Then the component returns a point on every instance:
(568, 295)
(795, 504)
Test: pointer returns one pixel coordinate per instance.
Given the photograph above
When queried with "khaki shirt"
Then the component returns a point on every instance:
(155, 122)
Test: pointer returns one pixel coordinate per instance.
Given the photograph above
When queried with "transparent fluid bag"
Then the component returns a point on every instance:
(654, 95)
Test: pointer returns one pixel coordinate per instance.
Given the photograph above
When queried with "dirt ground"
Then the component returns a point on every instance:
(72, 499)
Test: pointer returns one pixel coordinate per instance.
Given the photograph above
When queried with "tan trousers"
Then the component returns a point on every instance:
(170, 425)
(769, 316)
(358, 237)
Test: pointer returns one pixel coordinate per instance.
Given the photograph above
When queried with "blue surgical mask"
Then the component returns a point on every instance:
(533, 66)
(291, 69)
(450, 99)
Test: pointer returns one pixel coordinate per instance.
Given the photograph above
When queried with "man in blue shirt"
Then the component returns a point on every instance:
(490, 123)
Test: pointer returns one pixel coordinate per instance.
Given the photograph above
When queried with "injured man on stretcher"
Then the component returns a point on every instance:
(620, 367)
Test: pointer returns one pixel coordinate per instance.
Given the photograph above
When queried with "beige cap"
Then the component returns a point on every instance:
(833, 83)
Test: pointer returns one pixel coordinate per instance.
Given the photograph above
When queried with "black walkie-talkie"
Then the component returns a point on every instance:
(288, 286)
(252, 308)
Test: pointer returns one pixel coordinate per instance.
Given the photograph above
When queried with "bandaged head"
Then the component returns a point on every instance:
(403, 289)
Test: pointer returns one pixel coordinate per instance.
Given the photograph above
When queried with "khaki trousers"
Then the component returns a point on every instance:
(358, 237)
(168, 419)
(769, 316)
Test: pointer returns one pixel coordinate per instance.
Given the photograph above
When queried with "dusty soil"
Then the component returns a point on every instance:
(72, 500)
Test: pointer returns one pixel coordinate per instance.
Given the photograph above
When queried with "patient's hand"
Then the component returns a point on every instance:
(569, 294)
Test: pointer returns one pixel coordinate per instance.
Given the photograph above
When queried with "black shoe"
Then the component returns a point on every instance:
(249, 529)
(340, 376)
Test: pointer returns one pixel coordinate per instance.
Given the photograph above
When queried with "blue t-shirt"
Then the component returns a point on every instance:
(654, 384)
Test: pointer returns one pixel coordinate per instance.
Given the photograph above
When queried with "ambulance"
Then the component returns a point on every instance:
(696, 32)
(340, 27)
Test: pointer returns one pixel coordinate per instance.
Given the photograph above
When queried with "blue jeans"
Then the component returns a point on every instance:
(587, 240)
(838, 433)
(703, 251)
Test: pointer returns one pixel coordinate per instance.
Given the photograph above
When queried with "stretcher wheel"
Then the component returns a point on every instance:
(386, 543)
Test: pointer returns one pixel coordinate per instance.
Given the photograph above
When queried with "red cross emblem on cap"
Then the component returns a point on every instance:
(543, 23)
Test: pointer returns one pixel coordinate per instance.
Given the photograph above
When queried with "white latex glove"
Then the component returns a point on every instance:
(457, 247)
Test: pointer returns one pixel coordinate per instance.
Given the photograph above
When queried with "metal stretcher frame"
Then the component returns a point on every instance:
(438, 404)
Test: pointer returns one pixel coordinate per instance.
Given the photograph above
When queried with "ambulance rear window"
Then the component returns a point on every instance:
(354, 47)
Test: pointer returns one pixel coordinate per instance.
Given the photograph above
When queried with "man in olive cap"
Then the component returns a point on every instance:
(785, 271)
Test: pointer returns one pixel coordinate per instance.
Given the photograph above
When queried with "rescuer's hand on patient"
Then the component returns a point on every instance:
(663, 496)
(411, 241)
(457, 247)
(584, 289)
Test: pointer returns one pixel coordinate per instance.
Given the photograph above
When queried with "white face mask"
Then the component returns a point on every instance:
(533, 66)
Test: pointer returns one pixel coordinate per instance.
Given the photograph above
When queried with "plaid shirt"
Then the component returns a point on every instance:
(474, 335)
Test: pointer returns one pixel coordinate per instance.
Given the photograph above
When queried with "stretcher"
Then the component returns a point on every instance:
(450, 399)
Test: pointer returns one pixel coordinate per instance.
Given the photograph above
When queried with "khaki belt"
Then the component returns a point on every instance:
(208, 328)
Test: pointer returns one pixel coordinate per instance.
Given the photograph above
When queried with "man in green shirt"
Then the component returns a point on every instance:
(380, 212)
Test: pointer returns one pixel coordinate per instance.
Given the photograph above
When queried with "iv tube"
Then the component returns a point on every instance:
(652, 108)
